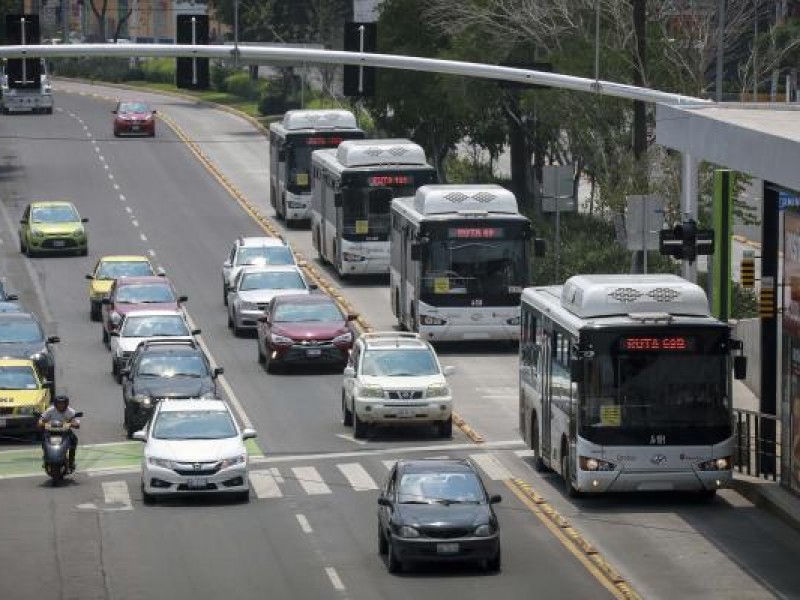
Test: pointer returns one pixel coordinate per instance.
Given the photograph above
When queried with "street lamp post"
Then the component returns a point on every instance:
(236, 33)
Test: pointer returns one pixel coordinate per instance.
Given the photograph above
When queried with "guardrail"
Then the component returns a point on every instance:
(757, 444)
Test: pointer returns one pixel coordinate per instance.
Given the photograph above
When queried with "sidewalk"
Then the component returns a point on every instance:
(766, 494)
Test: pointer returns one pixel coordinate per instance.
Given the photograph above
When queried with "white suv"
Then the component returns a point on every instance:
(254, 251)
(395, 378)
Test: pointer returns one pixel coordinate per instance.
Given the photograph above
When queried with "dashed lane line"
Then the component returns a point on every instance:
(305, 526)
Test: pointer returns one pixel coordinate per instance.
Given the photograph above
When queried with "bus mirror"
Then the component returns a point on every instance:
(416, 251)
(539, 248)
(337, 199)
(739, 367)
(576, 369)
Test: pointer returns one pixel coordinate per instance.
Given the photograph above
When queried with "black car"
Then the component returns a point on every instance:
(21, 336)
(437, 510)
(162, 369)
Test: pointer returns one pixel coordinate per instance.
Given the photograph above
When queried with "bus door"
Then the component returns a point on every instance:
(405, 259)
(547, 394)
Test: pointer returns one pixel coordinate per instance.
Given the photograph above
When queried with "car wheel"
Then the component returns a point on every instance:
(237, 331)
(225, 295)
(261, 358)
(84, 252)
(360, 428)
(571, 491)
(347, 415)
(106, 340)
(445, 428)
(383, 545)
(393, 564)
(230, 320)
(94, 311)
(706, 495)
(116, 132)
(22, 247)
(493, 564)
(129, 428)
(148, 499)
(271, 365)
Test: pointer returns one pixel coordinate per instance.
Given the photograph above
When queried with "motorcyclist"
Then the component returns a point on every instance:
(60, 410)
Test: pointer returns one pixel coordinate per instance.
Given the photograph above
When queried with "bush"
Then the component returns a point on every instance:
(219, 73)
(239, 84)
(114, 70)
(160, 70)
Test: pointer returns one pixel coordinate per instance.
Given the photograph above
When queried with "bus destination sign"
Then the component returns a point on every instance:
(332, 142)
(390, 180)
(478, 233)
(672, 343)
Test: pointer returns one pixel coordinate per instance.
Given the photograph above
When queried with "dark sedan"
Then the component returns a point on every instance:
(437, 510)
(21, 336)
(304, 329)
(134, 118)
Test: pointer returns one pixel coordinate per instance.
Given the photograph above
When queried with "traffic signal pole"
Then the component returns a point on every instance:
(723, 225)
(770, 231)
(689, 206)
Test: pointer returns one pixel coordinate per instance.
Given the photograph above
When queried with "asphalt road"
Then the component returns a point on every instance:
(92, 541)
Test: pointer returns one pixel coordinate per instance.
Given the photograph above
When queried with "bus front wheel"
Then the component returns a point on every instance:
(571, 491)
(538, 462)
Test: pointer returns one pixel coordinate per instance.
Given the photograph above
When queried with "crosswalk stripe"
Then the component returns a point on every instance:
(311, 481)
(358, 477)
(265, 485)
(116, 492)
(491, 466)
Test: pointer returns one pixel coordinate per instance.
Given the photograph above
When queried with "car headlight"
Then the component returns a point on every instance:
(247, 305)
(280, 339)
(350, 257)
(408, 532)
(345, 338)
(293, 204)
(78, 233)
(233, 461)
(716, 464)
(38, 357)
(428, 320)
(143, 399)
(438, 390)
(370, 390)
(148, 117)
(159, 462)
(36, 232)
(483, 530)
(589, 463)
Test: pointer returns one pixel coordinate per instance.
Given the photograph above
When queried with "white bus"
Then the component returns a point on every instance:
(352, 190)
(291, 142)
(625, 384)
(459, 262)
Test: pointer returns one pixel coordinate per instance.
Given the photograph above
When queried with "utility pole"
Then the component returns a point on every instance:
(236, 33)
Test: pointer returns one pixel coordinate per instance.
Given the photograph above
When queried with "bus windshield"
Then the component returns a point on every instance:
(652, 388)
(469, 265)
(298, 156)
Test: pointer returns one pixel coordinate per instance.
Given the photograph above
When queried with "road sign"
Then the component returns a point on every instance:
(644, 218)
(788, 200)
(558, 186)
(366, 11)
(747, 272)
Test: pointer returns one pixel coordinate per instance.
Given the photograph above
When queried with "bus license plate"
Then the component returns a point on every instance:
(450, 548)
(196, 484)
(314, 352)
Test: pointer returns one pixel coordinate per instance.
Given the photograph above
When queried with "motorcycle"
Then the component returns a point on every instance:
(56, 443)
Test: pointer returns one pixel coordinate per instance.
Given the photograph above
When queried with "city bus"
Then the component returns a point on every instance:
(459, 261)
(291, 142)
(625, 384)
(352, 191)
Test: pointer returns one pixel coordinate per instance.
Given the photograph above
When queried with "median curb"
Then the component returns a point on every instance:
(770, 496)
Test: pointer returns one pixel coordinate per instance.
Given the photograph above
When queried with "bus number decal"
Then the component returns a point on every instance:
(658, 439)
(476, 302)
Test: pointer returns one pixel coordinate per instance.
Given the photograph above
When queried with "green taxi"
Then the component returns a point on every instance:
(52, 227)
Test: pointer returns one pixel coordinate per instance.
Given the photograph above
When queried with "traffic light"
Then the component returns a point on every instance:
(747, 272)
(766, 302)
(192, 73)
(23, 73)
(360, 37)
(685, 241)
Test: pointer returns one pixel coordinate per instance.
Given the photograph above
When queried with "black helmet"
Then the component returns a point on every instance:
(61, 398)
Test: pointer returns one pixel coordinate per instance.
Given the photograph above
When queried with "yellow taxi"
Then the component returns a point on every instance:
(107, 269)
(23, 395)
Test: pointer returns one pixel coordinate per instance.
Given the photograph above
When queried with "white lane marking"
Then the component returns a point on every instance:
(336, 581)
(349, 437)
(116, 492)
(151, 252)
(358, 477)
(491, 466)
(503, 445)
(504, 390)
(265, 485)
(101, 157)
(311, 481)
(143, 237)
(525, 453)
(500, 397)
(105, 166)
(85, 126)
(135, 223)
(276, 474)
(88, 134)
(116, 187)
(304, 524)
(389, 463)
(110, 176)
(96, 147)
(59, 109)
(122, 197)
(128, 210)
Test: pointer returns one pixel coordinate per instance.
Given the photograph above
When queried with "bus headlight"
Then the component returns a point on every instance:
(716, 464)
(428, 320)
(589, 463)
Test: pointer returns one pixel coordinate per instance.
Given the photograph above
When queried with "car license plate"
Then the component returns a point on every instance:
(134, 128)
(450, 548)
(196, 484)
(312, 352)
(405, 413)
(58, 243)
(55, 439)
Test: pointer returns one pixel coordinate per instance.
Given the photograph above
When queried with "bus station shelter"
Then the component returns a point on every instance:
(763, 141)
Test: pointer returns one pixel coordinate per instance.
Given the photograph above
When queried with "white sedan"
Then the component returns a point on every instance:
(194, 447)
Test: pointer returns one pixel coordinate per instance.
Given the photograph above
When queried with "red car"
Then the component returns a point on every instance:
(304, 329)
(134, 118)
(152, 292)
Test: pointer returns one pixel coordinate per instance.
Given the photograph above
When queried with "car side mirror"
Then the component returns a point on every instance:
(448, 370)
(53, 339)
(249, 434)
(313, 286)
(218, 371)
(183, 298)
(196, 332)
(154, 111)
(89, 276)
(352, 317)
(539, 247)
(139, 435)
(740, 367)
(11, 297)
(22, 221)
(495, 499)
(349, 371)
(105, 301)
(383, 501)
(85, 220)
(416, 251)
(227, 264)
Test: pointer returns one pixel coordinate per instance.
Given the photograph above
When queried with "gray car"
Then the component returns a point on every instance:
(254, 287)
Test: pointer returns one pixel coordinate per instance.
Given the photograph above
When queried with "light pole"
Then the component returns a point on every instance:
(720, 48)
(236, 33)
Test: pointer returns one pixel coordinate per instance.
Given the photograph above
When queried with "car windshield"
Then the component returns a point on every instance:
(194, 425)
(117, 268)
(399, 363)
(265, 255)
(133, 107)
(17, 378)
(54, 214)
(154, 326)
(173, 365)
(146, 293)
(444, 488)
(303, 313)
(20, 331)
(275, 280)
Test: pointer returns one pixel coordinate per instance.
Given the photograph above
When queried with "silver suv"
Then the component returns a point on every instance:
(254, 251)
